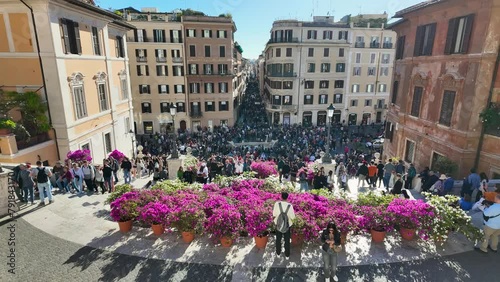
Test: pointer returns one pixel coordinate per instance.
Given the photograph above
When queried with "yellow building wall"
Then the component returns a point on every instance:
(4, 44)
(21, 32)
(46, 151)
(89, 68)
(86, 39)
(112, 47)
(91, 124)
(27, 71)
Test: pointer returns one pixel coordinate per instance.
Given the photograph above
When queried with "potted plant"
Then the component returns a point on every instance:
(6, 126)
(298, 229)
(410, 216)
(224, 224)
(187, 219)
(79, 155)
(264, 169)
(345, 219)
(155, 214)
(125, 209)
(258, 223)
(377, 221)
(450, 217)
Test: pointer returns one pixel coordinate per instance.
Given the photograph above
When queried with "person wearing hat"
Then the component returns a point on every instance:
(398, 185)
(438, 187)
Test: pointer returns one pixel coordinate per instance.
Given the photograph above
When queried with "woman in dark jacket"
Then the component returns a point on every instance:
(330, 237)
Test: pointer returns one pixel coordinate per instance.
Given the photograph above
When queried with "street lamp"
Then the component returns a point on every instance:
(140, 155)
(327, 159)
(133, 141)
(173, 112)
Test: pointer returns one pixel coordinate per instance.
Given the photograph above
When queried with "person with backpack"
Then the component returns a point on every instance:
(331, 239)
(78, 177)
(42, 175)
(283, 215)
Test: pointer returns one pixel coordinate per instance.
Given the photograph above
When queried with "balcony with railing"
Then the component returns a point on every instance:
(283, 40)
(282, 74)
(161, 59)
(142, 59)
(387, 45)
(196, 114)
(177, 60)
(375, 45)
(359, 44)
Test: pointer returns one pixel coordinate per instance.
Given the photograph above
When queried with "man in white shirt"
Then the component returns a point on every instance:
(42, 176)
(283, 207)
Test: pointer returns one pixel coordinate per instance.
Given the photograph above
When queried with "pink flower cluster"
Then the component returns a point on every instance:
(245, 206)
(117, 155)
(79, 155)
(264, 169)
(413, 215)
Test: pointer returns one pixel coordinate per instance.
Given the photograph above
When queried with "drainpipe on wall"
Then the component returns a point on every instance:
(490, 97)
(43, 74)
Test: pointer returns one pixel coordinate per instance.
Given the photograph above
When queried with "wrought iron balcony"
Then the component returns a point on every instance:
(161, 59)
(359, 44)
(374, 45)
(283, 40)
(387, 45)
(196, 114)
(177, 60)
(142, 59)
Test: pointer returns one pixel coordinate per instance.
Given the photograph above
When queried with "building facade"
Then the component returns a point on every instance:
(75, 53)
(210, 73)
(309, 65)
(446, 74)
(158, 72)
(371, 57)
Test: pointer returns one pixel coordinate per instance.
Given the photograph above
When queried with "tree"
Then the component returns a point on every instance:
(32, 108)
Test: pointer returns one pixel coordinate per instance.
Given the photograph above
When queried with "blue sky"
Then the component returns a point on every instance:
(254, 18)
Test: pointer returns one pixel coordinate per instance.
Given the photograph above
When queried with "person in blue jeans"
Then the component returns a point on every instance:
(42, 175)
(27, 184)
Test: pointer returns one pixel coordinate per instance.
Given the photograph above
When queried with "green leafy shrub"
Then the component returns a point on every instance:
(374, 200)
(119, 190)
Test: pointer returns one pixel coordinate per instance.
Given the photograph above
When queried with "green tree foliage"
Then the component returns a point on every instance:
(32, 108)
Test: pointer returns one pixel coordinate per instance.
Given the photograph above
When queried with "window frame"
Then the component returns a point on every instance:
(416, 104)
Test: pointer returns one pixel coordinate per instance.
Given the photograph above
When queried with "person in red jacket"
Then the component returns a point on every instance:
(372, 174)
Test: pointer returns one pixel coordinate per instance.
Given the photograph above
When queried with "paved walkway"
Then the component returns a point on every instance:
(75, 238)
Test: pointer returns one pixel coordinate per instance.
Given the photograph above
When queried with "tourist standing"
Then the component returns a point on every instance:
(77, 178)
(388, 169)
(331, 239)
(372, 174)
(27, 184)
(126, 166)
(88, 176)
(491, 226)
(107, 173)
(99, 178)
(412, 172)
(362, 173)
(283, 215)
(380, 173)
(42, 175)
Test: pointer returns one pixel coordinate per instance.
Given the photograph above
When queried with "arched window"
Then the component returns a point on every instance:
(102, 95)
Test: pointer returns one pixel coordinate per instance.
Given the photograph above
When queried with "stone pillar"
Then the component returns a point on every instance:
(173, 166)
(7, 194)
(8, 144)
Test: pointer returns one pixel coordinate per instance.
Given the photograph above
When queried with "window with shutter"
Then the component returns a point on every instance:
(95, 41)
(447, 107)
(417, 101)
(395, 88)
(65, 36)
(424, 40)
(459, 34)
(400, 49)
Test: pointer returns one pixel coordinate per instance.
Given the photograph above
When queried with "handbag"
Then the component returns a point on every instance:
(337, 248)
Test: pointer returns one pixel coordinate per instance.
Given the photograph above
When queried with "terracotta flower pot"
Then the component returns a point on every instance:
(407, 234)
(4, 131)
(378, 236)
(261, 242)
(297, 240)
(343, 237)
(158, 229)
(226, 242)
(187, 237)
(125, 226)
